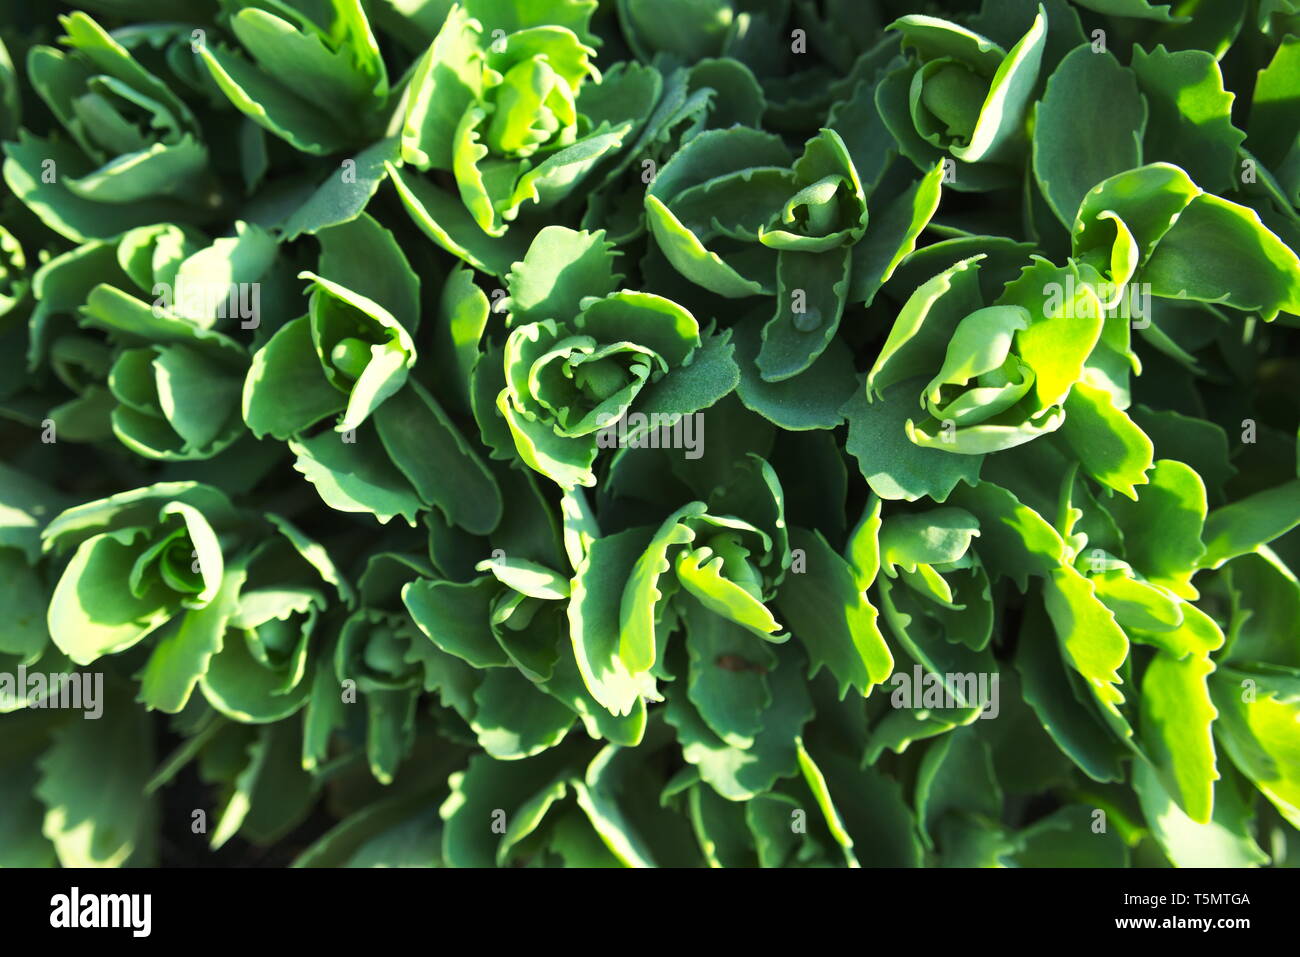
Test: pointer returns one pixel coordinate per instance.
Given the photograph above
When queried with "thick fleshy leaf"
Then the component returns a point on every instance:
(894, 466)
(342, 198)
(1256, 726)
(1225, 841)
(1109, 445)
(728, 677)
(561, 268)
(93, 817)
(740, 774)
(1191, 115)
(181, 657)
(1076, 729)
(1092, 642)
(1086, 84)
(352, 473)
(1175, 728)
(1246, 266)
(303, 124)
(828, 611)
(286, 392)
(594, 621)
(1138, 9)
(811, 290)
(513, 719)
(439, 462)
(91, 613)
(1244, 525)
(811, 400)
(443, 218)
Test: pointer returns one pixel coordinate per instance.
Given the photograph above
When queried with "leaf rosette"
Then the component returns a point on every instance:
(165, 562)
(496, 102)
(382, 655)
(140, 138)
(272, 645)
(582, 355)
(1153, 228)
(986, 378)
(932, 582)
(134, 151)
(499, 652)
(717, 564)
(961, 95)
(392, 450)
(316, 81)
(147, 362)
(805, 53)
(732, 212)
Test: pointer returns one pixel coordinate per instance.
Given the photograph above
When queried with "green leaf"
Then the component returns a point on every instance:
(1225, 841)
(1066, 838)
(1109, 445)
(1272, 123)
(484, 792)
(639, 598)
(1138, 9)
(1088, 89)
(920, 334)
(286, 391)
(23, 606)
(828, 611)
(561, 268)
(280, 111)
(356, 476)
(1191, 115)
(68, 214)
(457, 618)
(812, 400)
(91, 614)
(513, 719)
(739, 774)
(709, 376)
(1256, 726)
(893, 234)
(1075, 728)
(444, 219)
(438, 461)
(1246, 266)
(447, 79)
(182, 657)
(92, 781)
(956, 777)
(811, 290)
(728, 678)
(342, 198)
(618, 797)
(1175, 730)
(1092, 642)
(892, 464)
(1146, 201)
(1243, 526)
(1001, 117)
(1162, 529)
(935, 537)
(595, 616)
